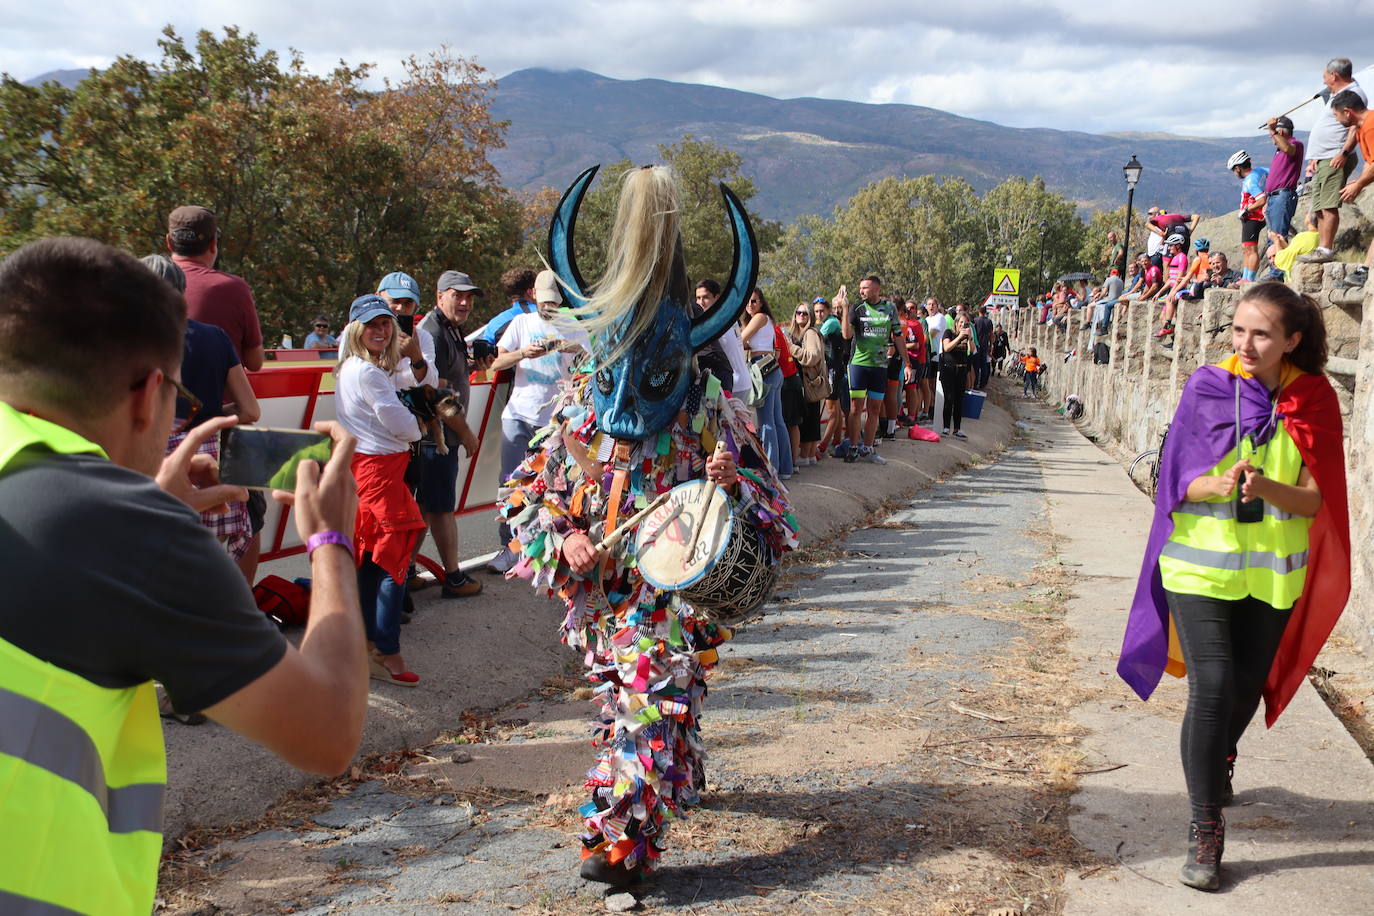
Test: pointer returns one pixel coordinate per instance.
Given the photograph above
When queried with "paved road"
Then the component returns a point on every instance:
(890, 737)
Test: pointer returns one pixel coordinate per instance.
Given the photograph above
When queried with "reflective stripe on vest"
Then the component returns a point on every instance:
(1227, 510)
(1222, 559)
(45, 738)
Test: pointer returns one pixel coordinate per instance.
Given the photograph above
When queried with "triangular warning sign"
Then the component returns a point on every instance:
(1006, 286)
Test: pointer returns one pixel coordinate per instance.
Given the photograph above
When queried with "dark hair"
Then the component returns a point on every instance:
(763, 301)
(320, 319)
(1348, 100)
(188, 244)
(1340, 66)
(1300, 314)
(80, 321)
(874, 278)
(517, 281)
(711, 286)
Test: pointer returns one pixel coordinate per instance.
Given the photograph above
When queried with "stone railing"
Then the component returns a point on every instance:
(1129, 400)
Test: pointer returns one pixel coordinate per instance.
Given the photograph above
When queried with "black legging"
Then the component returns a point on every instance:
(952, 378)
(1229, 648)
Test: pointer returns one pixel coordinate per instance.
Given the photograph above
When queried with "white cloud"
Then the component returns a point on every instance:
(1108, 66)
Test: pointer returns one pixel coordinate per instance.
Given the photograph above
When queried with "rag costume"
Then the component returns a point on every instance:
(624, 431)
(1202, 433)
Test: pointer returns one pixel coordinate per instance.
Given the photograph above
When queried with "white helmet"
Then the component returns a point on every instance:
(1239, 157)
(1176, 238)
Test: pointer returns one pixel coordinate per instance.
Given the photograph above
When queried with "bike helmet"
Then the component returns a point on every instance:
(1238, 158)
(1202, 244)
(1176, 238)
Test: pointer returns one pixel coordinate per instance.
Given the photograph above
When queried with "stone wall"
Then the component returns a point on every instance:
(1129, 401)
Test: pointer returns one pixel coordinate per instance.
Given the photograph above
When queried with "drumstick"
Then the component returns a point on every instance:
(720, 449)
(615, 536)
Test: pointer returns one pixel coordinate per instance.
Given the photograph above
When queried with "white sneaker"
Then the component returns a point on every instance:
(944, 431)
(874, 458)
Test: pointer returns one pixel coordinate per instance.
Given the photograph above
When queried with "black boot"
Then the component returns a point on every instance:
(1206, 841)
(596, 868)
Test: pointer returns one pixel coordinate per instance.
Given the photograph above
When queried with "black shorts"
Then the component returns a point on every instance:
(932, 368)
(1250, 230)
(894, 368)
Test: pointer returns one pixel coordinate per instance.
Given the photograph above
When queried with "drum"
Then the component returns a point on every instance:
(693, 544)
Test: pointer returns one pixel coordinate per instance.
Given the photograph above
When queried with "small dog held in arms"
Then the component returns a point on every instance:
(436, 408)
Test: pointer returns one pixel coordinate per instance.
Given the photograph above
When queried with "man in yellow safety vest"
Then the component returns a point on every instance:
(111, 583)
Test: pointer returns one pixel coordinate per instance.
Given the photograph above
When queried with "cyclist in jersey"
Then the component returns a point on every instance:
(872, 325)
(1252, 199)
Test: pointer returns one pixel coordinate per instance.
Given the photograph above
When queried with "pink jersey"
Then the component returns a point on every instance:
(1178, 266)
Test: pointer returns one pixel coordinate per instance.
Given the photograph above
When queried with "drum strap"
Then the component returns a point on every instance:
(620, 465)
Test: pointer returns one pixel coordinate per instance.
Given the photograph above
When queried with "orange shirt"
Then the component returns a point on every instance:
(1365, 134)
(1032, 363)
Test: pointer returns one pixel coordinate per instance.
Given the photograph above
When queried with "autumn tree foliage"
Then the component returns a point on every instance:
(320, 184)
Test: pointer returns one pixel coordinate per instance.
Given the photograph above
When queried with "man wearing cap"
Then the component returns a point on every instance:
(1281, 188)
(542, 354)
(438, 490)
(225, 301)
(402, 294)
(1331, 145)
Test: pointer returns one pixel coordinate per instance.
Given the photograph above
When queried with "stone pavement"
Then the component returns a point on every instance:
(1301, 834)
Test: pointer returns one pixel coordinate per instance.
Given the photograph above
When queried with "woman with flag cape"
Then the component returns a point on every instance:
(1247, 566)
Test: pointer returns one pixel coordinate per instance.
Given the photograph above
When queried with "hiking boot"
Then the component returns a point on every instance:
(459, 584)
(1317, 256)
(415, 583)
(596, 868)
(1355, 279)
(1206, 842)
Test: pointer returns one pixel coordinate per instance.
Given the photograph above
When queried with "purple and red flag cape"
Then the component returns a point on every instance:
(1203, 431)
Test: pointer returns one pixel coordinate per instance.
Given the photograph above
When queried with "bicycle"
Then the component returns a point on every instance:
(1150, 459)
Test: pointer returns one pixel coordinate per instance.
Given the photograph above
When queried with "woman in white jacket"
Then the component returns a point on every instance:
(389, 521)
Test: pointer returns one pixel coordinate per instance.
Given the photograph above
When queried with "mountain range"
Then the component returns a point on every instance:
(808, 155)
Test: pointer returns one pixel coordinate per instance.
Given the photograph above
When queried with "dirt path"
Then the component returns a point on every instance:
(892, 736)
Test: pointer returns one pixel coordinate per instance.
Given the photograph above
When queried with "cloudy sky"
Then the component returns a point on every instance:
(1201, 69)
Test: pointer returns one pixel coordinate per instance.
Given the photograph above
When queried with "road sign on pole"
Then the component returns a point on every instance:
(1006, 281)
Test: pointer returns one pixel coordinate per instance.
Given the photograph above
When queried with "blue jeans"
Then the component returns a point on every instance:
(777, 445)
(1278, 211)
(1102, 313)
(382, 599)
(515, 441)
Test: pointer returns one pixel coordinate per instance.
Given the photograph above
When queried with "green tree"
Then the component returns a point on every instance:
(1012, 214)
(1095, 248)
(319, 185)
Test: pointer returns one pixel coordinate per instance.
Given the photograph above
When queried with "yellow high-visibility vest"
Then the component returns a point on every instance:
(83, 769)
(1212, 554)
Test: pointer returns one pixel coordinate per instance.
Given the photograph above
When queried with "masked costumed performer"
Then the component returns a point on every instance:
(637, 423)
(1248, 561)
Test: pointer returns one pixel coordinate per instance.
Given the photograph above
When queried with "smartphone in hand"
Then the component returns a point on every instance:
(263, 458)
(407, 323)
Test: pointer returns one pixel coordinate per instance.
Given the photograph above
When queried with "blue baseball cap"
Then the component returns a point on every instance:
(367, 307)
(400, 286)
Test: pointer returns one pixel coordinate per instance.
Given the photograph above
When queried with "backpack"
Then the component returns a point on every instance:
(286, 602)
(1102, 354)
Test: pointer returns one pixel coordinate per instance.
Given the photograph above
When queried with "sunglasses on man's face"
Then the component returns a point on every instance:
(321, 325)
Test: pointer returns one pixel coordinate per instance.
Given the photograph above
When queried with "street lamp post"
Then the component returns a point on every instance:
(1132, 172)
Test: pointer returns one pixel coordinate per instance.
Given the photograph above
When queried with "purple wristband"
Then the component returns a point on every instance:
(328, 537)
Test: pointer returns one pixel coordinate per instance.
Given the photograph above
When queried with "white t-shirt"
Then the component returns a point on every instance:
(404, 376)
(935, 329)
(536, 380)
(1328, 136)
(366, 405)
(733, 347)
(763, 340)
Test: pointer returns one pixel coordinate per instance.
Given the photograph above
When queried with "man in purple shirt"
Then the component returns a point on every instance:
(1280, 197)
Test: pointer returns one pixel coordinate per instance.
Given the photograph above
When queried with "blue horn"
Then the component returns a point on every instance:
(710, 325)
(561, 257)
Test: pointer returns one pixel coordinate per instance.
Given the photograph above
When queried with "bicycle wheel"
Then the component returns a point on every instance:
(1147, 459)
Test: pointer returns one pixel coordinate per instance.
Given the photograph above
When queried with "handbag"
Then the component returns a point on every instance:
(815, 384)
